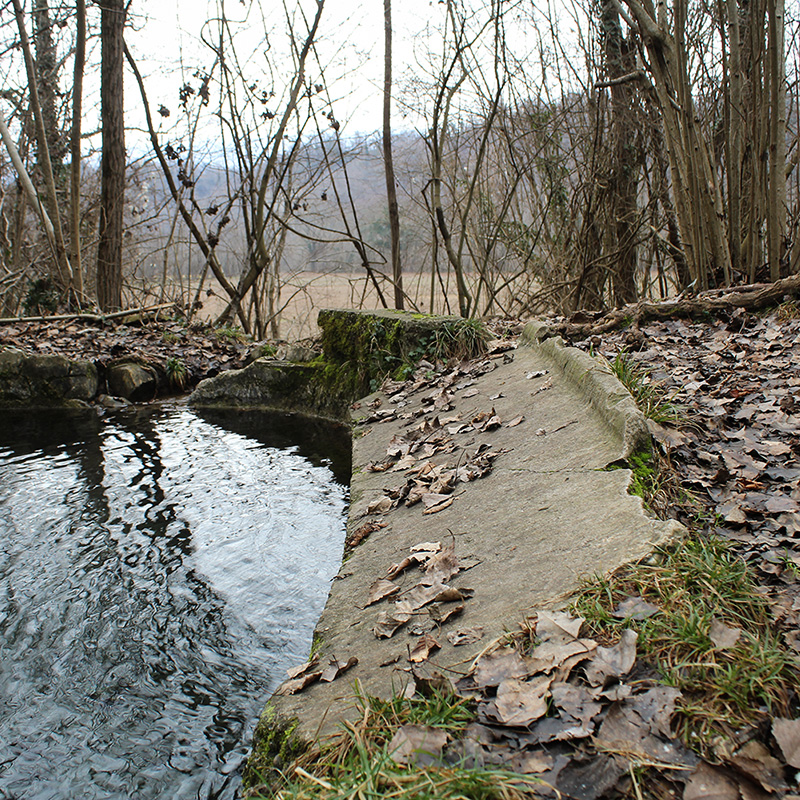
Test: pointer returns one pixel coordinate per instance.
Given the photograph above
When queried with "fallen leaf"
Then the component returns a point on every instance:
(423, 649)
(755, 761)
(418, 745)
(422, 594)
(298, 684)
(519, 703)
(635, 608)
(723, 636)
(301, 669)
(426, 548)
(710, 783)
(363, 531)
(462, 636)
(436, 502)
(441, 617)
(380, 589)
(516, 421)
(787, 735)
(335, 668)
(492, 669)
(557, 626)
(389, 622)
(380, 506)
(613, 662)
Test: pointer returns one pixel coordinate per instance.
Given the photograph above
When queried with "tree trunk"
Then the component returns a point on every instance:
(112, 165)
(75, 149)
(625, 166)
(391, 189)
(776, 214)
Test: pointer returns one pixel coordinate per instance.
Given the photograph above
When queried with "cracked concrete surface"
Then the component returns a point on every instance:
(547, 515)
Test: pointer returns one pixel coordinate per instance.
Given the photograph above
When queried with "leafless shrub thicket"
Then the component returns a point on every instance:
(564, 156)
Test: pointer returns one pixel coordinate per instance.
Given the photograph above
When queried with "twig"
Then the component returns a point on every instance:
(87, 317)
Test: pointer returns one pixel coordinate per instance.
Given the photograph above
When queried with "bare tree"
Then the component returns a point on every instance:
(109, 248)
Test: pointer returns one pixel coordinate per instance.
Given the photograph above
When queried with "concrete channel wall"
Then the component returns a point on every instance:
(496, 471)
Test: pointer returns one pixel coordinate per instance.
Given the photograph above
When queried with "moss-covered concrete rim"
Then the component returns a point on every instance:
(359, 349)
(275, 746)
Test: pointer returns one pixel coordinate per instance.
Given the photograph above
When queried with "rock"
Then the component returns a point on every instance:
(112, 403)
(132, 380)
(298, 353)
(44, 381)
(273, 384)
(259, 350)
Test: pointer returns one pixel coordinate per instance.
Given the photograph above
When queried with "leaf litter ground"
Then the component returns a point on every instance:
(580, 714)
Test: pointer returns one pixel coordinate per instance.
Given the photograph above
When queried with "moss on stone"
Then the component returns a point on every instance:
(275, 746)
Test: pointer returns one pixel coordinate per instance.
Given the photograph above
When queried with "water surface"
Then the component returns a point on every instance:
(159, 571)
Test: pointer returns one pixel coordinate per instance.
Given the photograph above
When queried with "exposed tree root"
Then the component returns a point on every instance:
(750, 298)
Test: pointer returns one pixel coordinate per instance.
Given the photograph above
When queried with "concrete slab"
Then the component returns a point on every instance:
(548, 514)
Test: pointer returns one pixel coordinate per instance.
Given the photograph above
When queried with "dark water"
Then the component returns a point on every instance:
(159, 571)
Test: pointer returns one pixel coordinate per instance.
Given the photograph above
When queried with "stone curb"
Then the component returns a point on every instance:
(593, 379)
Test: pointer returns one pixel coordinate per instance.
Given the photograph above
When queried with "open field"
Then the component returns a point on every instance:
(303, 294)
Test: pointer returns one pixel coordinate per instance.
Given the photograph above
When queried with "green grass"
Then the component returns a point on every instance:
(462, 339)
(649, 397)
(230, 333)
(358, 765)
(695, 583)
(177, 374)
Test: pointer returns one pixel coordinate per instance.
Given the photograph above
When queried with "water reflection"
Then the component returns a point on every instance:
(158, 574)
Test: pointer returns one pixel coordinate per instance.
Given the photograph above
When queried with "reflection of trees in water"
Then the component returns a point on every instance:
(320, 441)
(125, 630)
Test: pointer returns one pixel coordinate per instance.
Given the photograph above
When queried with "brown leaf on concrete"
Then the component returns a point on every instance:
(298, 684)
(406, 462)
(381, 505)
(516, 421)
(380, 589)
(301, 669)
(441, 616)
(335, 668)
(426, 549)
(710, 783)
(434, 503)
(381, 466)
(613, 662)
(418, 745)
(723, 636)
(422, 594)
(396, 569)
(423, 648)
(635, 608)
(787, 735)
(519, 703)
(443, 565)
(363, 531)
(389, 622)
(462, 636)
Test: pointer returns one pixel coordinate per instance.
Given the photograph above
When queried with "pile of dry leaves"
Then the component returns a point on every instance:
(202, 350)
(738, 452)
(588, 722)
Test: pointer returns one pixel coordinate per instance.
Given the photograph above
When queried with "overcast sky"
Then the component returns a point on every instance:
(351, 40)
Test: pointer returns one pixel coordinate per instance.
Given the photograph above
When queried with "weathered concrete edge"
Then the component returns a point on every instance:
(594, 380)
(276, 734)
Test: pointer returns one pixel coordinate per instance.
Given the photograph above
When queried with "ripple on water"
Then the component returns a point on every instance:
(159, 572)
